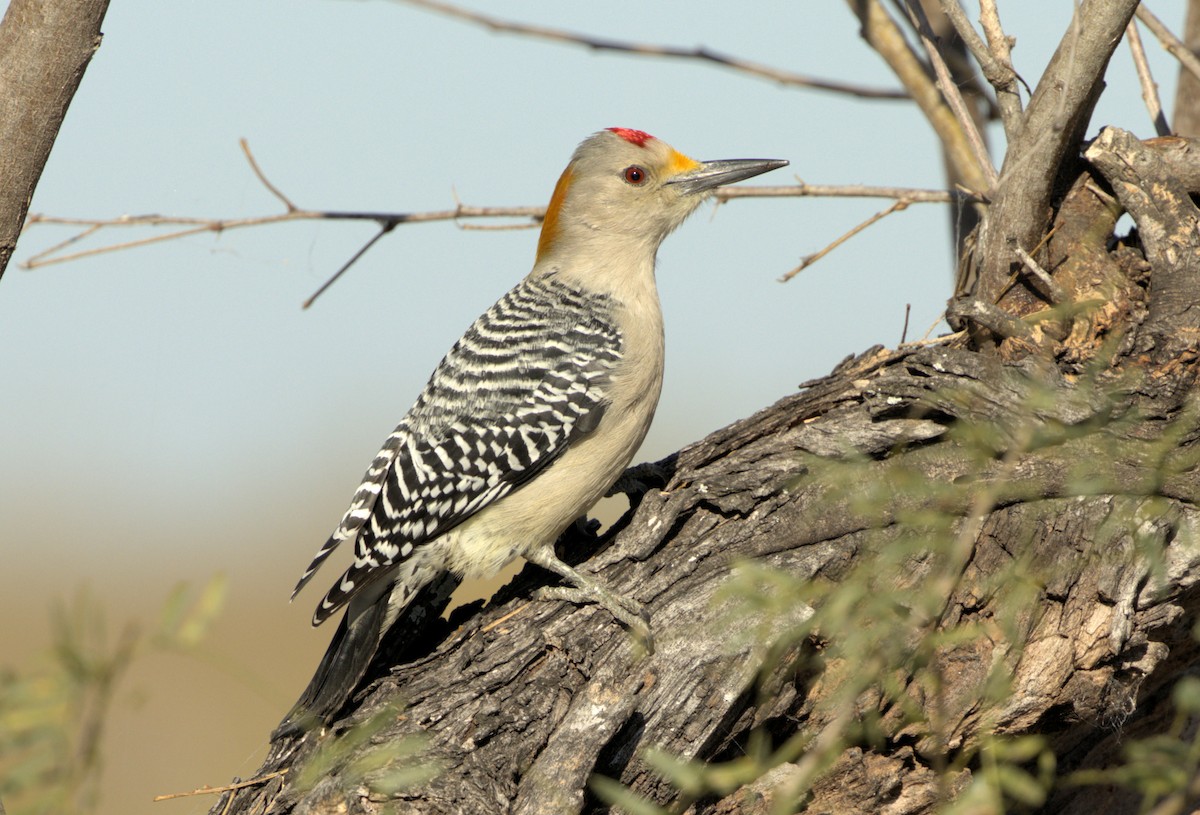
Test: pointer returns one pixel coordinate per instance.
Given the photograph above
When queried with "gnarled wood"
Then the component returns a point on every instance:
(526, 699)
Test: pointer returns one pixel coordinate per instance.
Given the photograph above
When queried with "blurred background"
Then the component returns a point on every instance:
(170, 413)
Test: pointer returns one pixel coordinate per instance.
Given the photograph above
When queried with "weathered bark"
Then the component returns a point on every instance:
(856, 591)
(45, 46)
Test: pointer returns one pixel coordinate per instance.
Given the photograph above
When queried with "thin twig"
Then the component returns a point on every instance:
(1055, 292)
(646, 49)
(217, 225)
(1169, 41)
(951, 93)
(803, 189)
(881, 32)
(91, 230)
(502, 620)
(253, 782)
(1001, 46)
(998, 72)
(91, 226)
(809, 260)
(386, 228)
(904, 331)
(287, 202)
(1146, 79)
(389, 221)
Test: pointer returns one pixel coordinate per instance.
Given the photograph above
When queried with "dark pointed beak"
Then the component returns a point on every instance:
(713, 174)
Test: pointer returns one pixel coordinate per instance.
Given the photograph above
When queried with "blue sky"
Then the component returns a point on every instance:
(170, 412)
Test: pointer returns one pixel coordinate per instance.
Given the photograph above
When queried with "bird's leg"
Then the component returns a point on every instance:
(590, 590)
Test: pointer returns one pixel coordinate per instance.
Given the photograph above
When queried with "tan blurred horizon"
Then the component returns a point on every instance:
(182, 721)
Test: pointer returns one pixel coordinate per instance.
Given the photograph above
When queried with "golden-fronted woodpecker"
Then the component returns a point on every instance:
(532, 415)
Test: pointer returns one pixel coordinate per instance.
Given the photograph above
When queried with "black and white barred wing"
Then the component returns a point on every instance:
(526, 378)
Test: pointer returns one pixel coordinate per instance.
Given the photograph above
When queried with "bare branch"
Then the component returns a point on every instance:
(881, 33)
(389, 221)
(951, 93)
(287, 202)
(1146, 79)
(809, 260)
(803, 189)
(647, 49)
(386, 228)
(194, 226)
(998, 41)
(216, 225)
(996, 69)
(1169, 41)
(217, 790)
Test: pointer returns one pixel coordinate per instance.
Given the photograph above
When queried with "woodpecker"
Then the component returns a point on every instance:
(532, 415)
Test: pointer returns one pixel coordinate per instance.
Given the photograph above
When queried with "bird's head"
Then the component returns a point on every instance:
(627, 186)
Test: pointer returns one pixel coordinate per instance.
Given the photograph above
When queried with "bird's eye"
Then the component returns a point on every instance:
(635, 175)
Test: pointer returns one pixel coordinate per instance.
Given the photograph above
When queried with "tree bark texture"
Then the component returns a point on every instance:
(863, 596)
(45, 46)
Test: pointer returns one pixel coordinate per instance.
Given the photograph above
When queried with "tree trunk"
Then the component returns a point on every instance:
(45, 46)
(865, 595)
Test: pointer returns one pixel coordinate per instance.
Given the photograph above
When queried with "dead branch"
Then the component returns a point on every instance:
(881, 33)
(1185, 112)
(809, 260)
(950, 92)
(1146, 80)
(388, 221)
(1173, 44)
(646, 49)
(996, 66)
(803, 189)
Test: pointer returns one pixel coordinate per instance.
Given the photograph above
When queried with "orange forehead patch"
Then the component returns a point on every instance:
(550, 222)
(679, 163)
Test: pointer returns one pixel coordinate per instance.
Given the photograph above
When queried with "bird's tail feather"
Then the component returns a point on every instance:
(408, 603)
(345, 663)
